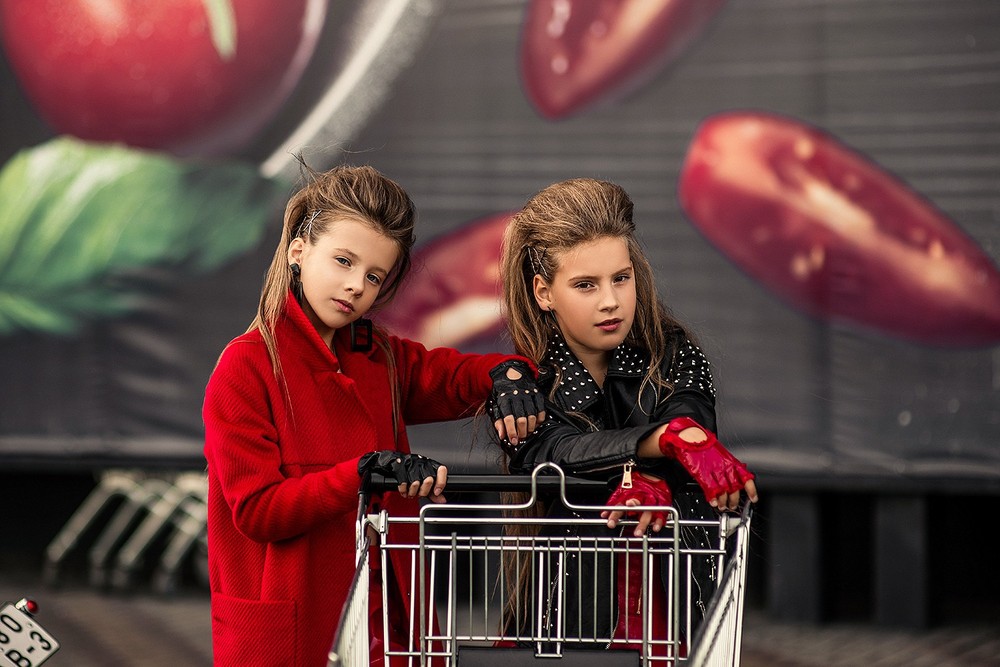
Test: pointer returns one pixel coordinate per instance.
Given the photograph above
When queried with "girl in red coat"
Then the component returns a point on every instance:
(310, 399)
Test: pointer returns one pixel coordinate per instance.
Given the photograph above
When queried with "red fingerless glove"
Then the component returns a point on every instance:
(646, 491)
(708, 462)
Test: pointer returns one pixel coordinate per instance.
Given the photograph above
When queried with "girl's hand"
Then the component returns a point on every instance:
(720, 475)
(644, 491)
(418, 476)
(431, 488)
(520, 407)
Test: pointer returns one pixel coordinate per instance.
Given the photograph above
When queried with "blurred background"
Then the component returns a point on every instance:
(816, 183)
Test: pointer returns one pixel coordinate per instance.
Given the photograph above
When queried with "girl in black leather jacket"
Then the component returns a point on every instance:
(629, 400)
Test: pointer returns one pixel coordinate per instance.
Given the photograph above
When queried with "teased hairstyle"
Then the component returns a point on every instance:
(343, 192)
(559, 218)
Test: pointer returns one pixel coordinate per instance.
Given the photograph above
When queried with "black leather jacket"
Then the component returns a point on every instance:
(617, 417)
(590, 432)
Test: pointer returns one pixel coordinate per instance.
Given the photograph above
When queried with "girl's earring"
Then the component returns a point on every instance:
(296, 281)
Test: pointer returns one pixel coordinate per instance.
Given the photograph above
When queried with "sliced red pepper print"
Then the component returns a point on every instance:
(576, 52)
(452, 296)
(836, 235)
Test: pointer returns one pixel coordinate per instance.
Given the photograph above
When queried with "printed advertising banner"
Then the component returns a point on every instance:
(816, 183)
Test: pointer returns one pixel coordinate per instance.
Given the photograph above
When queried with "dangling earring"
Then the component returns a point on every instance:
(296, 281)
(361, 335)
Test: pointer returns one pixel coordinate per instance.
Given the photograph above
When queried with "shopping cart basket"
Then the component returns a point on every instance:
(458, 589)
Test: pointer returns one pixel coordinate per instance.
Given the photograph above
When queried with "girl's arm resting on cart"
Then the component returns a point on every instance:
(441, 384)
(562, 443)
(267, 506)
(698, 405)
(575, 452)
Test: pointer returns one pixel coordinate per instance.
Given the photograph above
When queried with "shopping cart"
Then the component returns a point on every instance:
(458, 588)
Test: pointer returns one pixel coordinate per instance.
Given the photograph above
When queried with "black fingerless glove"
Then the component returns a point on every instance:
(517, 398)
(404, 468)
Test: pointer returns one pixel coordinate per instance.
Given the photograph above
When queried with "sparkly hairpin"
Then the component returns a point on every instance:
(305, 230)
(535, 258)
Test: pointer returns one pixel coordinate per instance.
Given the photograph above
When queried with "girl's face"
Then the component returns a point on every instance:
(342, 272)
(592, 295)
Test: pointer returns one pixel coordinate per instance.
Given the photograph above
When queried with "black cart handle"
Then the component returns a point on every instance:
(472, 483)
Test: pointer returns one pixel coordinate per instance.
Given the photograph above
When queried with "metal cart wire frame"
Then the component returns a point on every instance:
(350, 646)
(452, 615)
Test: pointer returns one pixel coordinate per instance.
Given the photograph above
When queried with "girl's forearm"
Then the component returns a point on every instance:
(649, 447)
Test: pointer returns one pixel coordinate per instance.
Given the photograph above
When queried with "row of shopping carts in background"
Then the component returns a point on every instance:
(134, 529)
(458, 591)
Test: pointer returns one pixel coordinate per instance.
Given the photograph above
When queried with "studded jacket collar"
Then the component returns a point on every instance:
(578, 390)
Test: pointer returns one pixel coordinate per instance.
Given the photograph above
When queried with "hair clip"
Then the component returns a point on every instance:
(305, 229)
(535, 259)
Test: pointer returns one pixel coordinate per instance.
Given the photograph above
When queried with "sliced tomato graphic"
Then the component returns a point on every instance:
(836, 235)
(452, 296)
(576, 52)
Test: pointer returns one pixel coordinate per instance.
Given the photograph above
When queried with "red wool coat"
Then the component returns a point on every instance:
(283, 481)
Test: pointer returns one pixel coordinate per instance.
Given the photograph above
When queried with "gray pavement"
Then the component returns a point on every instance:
(141, 629)
(770, 644)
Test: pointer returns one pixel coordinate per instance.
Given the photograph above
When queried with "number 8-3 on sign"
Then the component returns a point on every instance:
(23, 642)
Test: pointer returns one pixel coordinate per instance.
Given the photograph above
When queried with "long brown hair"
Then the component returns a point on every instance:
(559, 218)
(360, 193)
